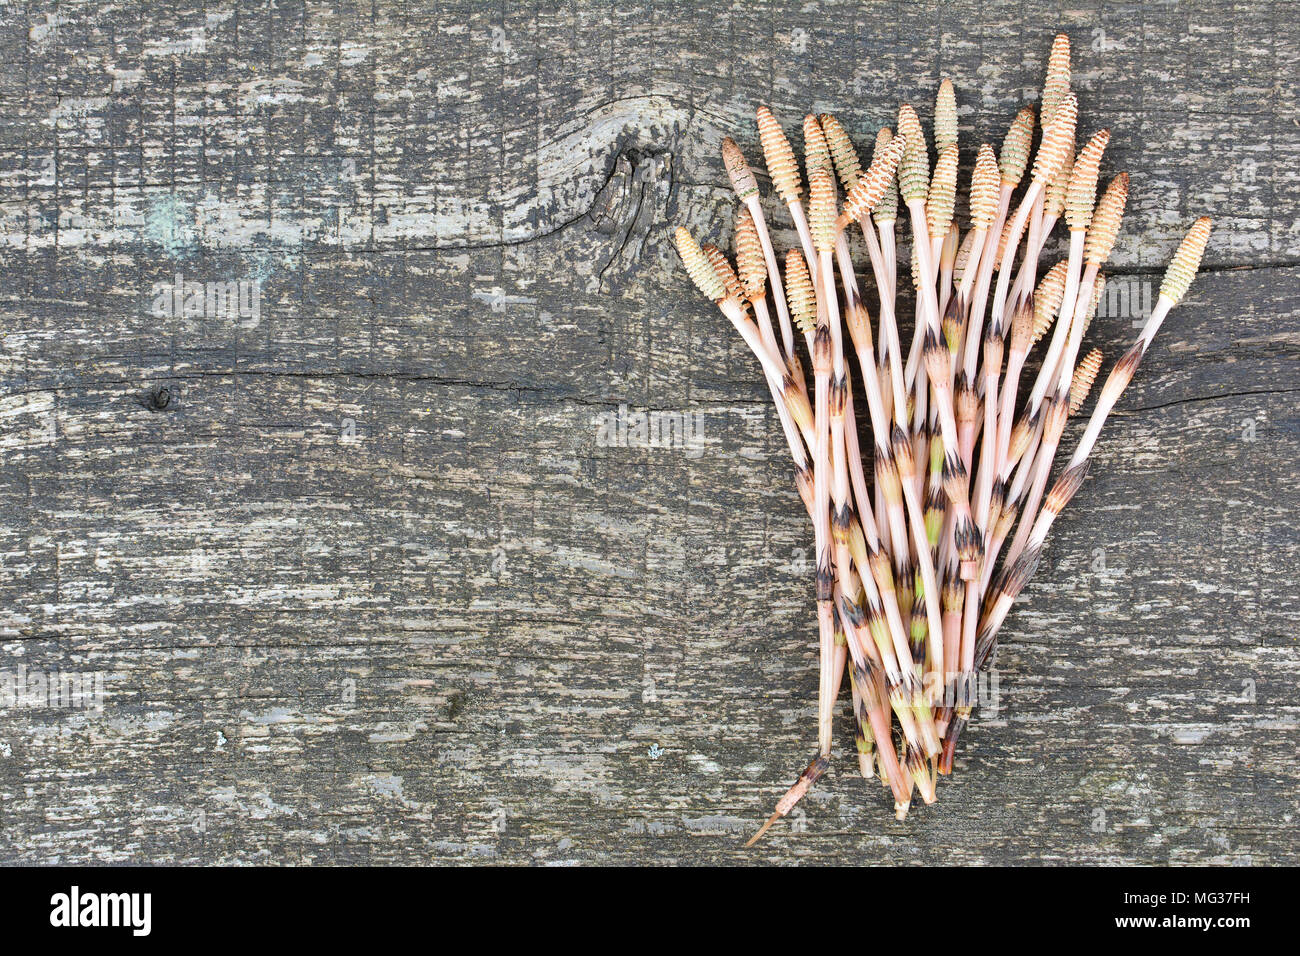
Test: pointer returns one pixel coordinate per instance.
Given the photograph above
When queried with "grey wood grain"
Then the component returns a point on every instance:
(363, 583)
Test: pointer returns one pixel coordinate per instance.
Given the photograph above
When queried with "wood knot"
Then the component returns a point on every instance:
(158, 398)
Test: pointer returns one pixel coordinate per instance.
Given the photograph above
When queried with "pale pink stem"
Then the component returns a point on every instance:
(975, 322)
(773, 274)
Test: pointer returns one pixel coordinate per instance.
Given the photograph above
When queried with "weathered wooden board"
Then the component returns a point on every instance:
(362, 577)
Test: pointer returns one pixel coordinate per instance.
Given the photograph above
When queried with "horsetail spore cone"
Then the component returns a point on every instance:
(698, 267)
(742, 177)
(781, 165)
(874, 185)
(847, 165)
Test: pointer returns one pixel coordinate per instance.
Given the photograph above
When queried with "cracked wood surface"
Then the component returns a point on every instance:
(361, 578)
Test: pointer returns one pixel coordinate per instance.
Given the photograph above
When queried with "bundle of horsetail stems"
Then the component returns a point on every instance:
(921, 553)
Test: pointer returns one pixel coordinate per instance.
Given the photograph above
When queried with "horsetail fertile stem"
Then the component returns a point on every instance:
(784, 172)
(1178, 277)
(912, 580)
(746, 187)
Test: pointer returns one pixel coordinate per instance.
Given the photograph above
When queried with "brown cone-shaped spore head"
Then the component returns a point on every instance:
(698, 267)
(1058, 141)
(1082, 190)
(1057, 83)
(781, 165)
(885, 211)
(1055, 195)
(1014, 157)
(799, 291)
(749, 256)
(877, 182)
(1105, 221)
(742, 177)
(821, 210)
(847, 165)
(1186, 262)
(984, 188)
(816, 151)
(1047, 298)
(1085, 373)
(942, 195)
(914, 172)
(945, 116)
(722, 266)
